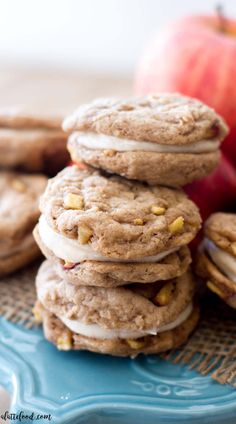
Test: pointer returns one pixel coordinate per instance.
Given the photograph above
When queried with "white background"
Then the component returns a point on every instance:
(98, 35)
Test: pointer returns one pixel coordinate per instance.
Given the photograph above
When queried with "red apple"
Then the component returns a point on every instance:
(215, 192)
(195, 56)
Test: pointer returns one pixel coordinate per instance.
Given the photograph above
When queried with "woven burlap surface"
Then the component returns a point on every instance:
(211, 350)
(17, 296)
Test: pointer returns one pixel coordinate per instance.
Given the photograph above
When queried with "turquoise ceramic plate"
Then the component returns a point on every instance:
(81, 387)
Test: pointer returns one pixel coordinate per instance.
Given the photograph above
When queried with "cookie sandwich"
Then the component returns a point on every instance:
(217, 257)
(165, 139)
(31, 142)
(19, 212)
(108, 231)
(122, 321)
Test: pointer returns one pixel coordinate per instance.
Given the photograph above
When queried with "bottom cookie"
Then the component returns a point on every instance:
(57, 333)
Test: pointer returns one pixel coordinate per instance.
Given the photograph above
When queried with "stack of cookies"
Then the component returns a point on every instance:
(117, 276)
(28, 143)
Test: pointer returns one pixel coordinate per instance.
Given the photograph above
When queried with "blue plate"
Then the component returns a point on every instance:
(82, 387)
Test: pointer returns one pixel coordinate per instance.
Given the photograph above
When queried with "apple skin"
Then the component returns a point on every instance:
(215, 192)
(194, 57)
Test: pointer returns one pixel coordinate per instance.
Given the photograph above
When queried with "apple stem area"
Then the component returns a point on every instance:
(221, 17)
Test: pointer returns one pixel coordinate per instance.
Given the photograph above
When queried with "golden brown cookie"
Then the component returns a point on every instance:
(123, 316)
(114, 274)
(217, 257)
(56, 332)
(167, 169)
(19, 211)
(87, 215)
(165, 139)
(30, 142)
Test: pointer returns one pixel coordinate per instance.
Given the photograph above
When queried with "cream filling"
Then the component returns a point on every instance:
(72, 251)
(98, 332)
(104, 142)
(225, 262)
(6, 251)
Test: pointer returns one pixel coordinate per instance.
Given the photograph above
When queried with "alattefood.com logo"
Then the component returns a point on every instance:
(21, 416)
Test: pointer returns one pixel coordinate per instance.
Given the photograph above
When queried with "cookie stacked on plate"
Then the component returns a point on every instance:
(31, 142)
(217, 256)
(117, 277)
(28, 143)
(19, 212)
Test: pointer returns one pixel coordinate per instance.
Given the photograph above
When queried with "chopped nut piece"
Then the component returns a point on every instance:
(18, 185)
(215, 289)
(69, 265)
(64, 343)
(176, 225)
(135, 343)
(37, 315)
(158, 210)
(73, 201)
(138, 221)
(163, 297)
(233, 247)
(84, 234)
(109, 152)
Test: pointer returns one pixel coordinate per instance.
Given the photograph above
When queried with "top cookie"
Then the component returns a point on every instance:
(221, 229)
(161, 118)
(115, 217)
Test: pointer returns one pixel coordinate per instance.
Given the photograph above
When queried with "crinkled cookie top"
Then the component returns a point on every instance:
(160, 118)
(221, 229)
(129, 307)
(117, 217)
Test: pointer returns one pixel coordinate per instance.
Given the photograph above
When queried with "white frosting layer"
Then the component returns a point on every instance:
(104, 142)
(72, 251)
(98, 332)
(225, 262)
